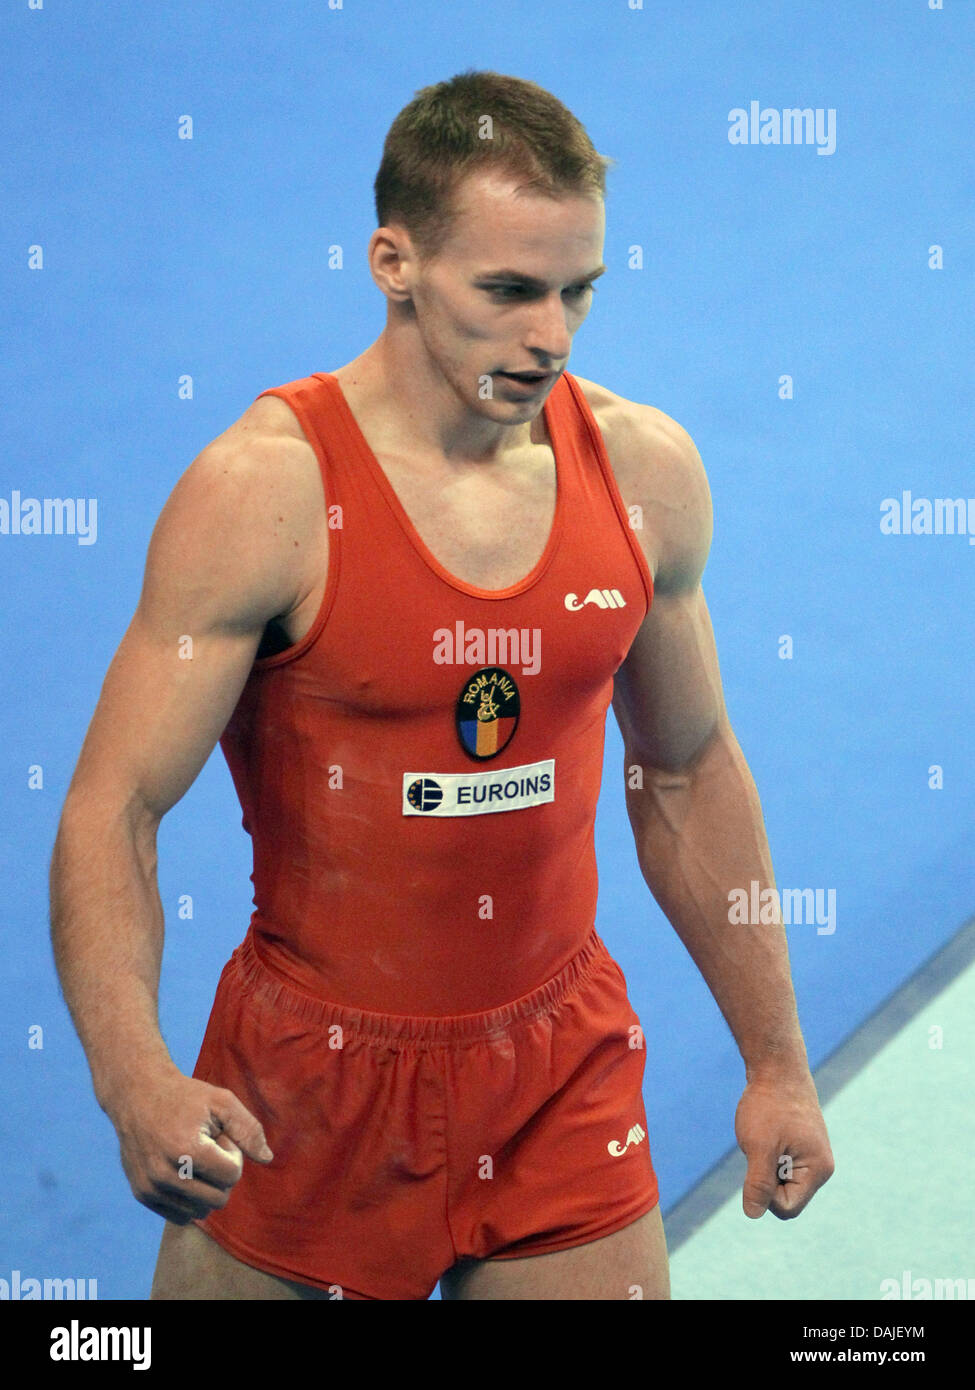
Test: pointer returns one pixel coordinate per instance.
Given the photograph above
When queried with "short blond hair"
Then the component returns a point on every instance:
(437, 140)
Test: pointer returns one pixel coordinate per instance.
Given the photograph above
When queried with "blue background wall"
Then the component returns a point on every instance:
(209, 257)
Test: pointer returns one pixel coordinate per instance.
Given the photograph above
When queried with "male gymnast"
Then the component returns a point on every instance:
(413, 586)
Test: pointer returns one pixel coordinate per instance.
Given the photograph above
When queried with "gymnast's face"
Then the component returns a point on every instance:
(506, 292)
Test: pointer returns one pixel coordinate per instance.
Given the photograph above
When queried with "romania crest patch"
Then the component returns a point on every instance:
(488, 709)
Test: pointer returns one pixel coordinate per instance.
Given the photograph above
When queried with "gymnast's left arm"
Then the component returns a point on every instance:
(700, 833)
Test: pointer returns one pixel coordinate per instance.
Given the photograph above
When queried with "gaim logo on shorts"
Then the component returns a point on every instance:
(602, 598)
(478, 793)
(635, 1136)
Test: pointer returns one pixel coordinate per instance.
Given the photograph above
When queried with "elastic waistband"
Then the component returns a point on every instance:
(388, 1028)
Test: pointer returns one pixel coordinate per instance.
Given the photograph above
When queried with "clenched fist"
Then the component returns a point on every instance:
(183, 1144)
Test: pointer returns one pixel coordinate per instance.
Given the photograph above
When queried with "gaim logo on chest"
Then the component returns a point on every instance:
(602, 598)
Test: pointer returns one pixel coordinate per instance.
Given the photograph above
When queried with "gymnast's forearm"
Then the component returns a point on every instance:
(107, 931)
(700, 834)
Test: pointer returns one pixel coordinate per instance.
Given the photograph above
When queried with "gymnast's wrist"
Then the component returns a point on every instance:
(132, 1078)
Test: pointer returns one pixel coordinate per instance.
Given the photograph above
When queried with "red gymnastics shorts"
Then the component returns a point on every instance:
(402, 1145)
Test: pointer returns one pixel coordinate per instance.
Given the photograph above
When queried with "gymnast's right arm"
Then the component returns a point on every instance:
(224, 559)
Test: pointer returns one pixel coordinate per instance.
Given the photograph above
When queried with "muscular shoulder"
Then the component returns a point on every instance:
(243, 523)
(659, 470)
